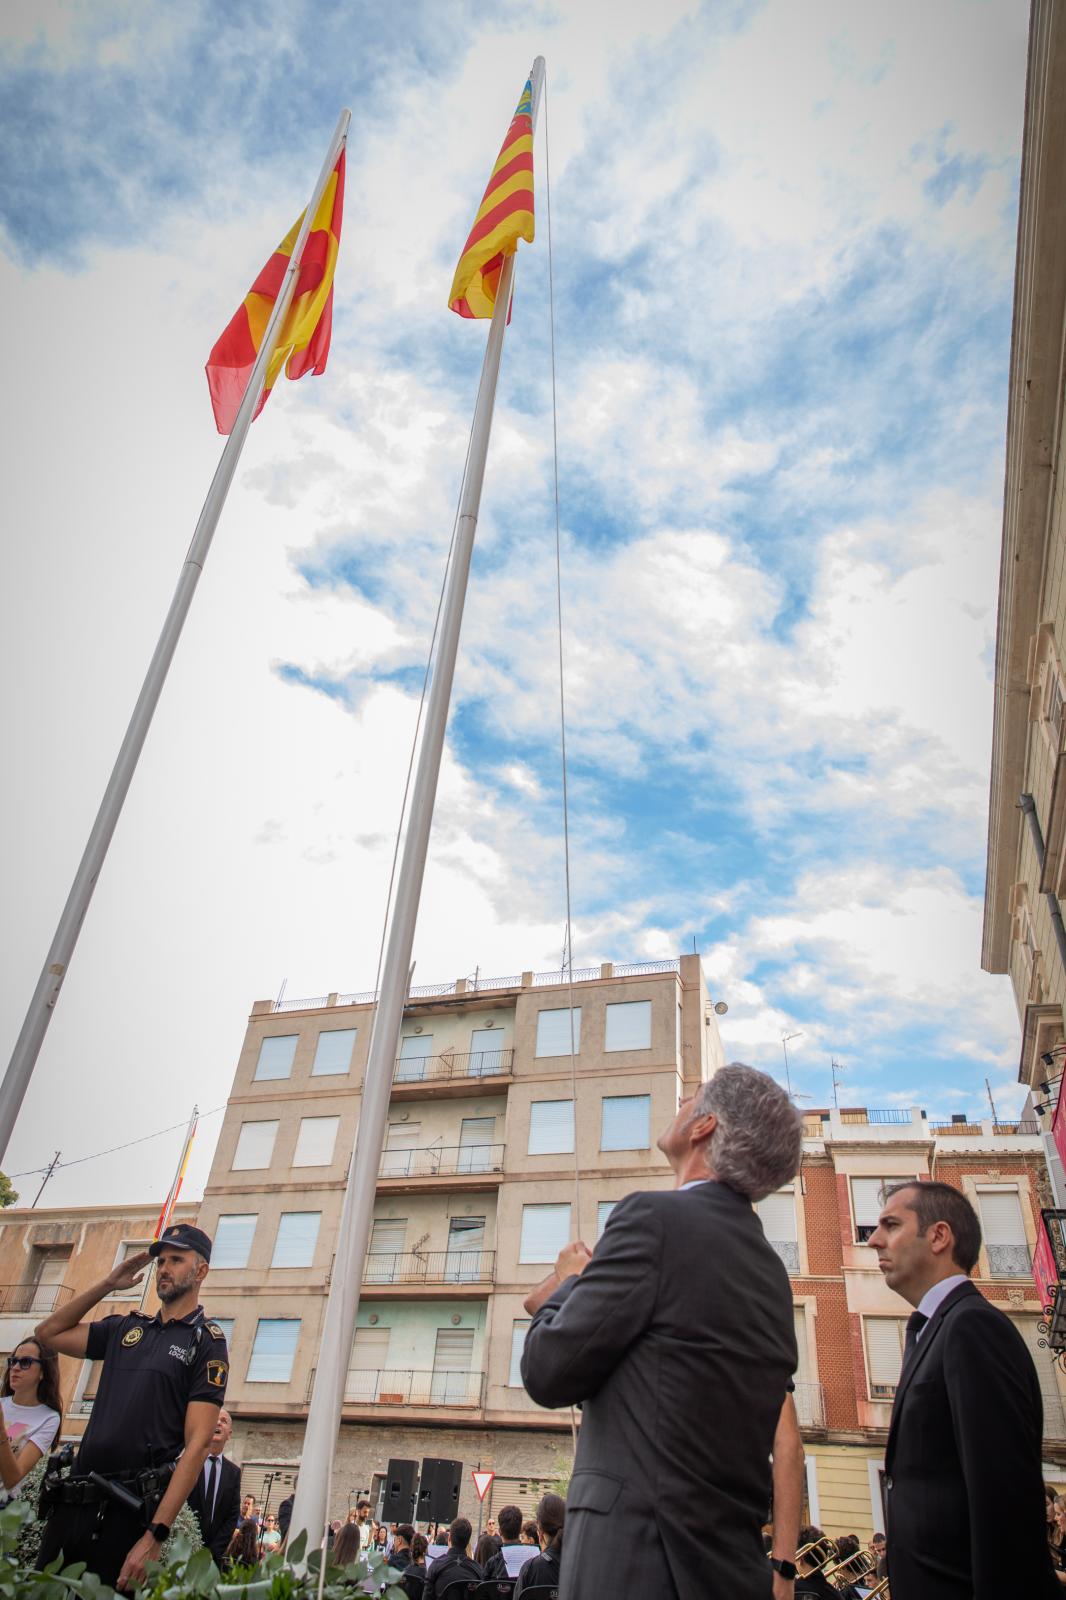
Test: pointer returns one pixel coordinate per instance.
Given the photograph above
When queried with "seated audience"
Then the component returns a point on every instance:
(531, 1534)
(400, 1553)
(544, 1569)
(347, 1545)
(455, 1564)
(487, 1547)
(514, 1551)
(879, 1551)
(243, 1548)
(413, 1582)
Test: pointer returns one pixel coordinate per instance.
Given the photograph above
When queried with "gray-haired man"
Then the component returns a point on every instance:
(676, 1335)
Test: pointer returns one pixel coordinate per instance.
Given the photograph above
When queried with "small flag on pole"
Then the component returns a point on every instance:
(175, 1188)
(504, 216)
(303, 343)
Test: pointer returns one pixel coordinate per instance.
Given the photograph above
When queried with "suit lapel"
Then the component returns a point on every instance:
(925, 1344)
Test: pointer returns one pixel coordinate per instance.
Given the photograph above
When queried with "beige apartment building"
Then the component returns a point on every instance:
(475, 1199)
(1023, 929)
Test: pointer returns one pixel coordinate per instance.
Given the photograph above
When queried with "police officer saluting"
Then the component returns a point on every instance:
(158, 1398)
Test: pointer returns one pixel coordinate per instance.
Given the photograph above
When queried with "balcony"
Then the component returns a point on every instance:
(810, 1405)
(447, 1161)
(434, 1267)
(788, 1250)
(403, 1387)
(1009, 1261)
(31, 1299)
(456, 1068)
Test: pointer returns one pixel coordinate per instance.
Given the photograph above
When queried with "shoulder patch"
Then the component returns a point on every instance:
(215, 1331)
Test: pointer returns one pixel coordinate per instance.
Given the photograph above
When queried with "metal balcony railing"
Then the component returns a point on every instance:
(1009, 1261)
(788, 1250)
(872, 1117)
(1016, 1127)
(810, 1405)
(31, 1299)
(957, 1130)
(404, 1387)
(442, 1161)
(457, 1064)
(436, 1266)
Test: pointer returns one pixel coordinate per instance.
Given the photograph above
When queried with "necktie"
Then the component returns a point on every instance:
(212, 1484)
(915, 1323)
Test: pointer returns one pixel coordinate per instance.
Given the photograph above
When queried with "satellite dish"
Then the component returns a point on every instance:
(720, 1008)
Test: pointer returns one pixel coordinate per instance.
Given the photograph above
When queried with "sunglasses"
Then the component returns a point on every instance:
(23, 1362)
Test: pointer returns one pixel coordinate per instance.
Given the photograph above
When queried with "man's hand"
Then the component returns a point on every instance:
(146, 1549)
(128, 1272)
(572, 1260)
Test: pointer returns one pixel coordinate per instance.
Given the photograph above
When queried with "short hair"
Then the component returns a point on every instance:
(757, 1144)
(362, 1505)
(847, 1545)
(531, 1531)
(459, 1533)
(419, 1546)
(510, 1520)
(405, 1531)
(940, 1202)
(809, 1535)
(878, 1537)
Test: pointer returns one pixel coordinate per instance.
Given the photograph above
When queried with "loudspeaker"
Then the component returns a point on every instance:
(398, 1492)
(438, 1490)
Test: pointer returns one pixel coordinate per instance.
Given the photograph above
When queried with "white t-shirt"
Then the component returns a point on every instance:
(37, 1425)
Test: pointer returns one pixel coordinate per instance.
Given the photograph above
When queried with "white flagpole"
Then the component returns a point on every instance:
(342, 1306)
(27, 1048)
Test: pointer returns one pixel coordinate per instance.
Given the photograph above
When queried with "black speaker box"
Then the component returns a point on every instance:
(438, 1490)
(398, 1500)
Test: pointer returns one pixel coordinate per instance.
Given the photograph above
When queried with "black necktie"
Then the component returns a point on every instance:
(915, 1323)
(212, 1483)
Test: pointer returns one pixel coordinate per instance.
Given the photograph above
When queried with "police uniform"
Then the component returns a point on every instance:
(151, 1371)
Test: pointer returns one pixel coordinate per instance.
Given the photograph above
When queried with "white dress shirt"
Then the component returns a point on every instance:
(935, 1297)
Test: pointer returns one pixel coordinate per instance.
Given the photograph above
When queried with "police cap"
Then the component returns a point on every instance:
(182, 1236)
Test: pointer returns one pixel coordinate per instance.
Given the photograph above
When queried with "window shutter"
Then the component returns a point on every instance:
(403, 1136)
(1004, 1231)
(866, 1200)
(545, 1229)
(553, 1032)
(884, 1350)
(603, 1211)
(626, 1122)
(519, 1329)
(255, 1145)
(296, 1240)
(486, 1052)
(388, 1235)
(314, 1145)
(276, 1057)
(800, 1320)
(778, 1215)
(273, 1351)
(333, 1052)
(1044, 1362)
(454, 1350)
(628, 1026)
(415, 1050)
(233, 1240)
(551, 1127)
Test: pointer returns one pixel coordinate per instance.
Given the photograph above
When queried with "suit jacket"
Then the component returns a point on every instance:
(678, 1339)
(216, 1529)
(964, 1492)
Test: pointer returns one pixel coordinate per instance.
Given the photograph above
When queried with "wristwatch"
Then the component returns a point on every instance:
(787, 1569)
(160, 1531)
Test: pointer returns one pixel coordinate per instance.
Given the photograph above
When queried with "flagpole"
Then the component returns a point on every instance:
(173, 1192)
(342, 1306)
(57, 962)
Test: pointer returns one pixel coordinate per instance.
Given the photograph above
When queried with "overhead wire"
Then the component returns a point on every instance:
(78, 1161)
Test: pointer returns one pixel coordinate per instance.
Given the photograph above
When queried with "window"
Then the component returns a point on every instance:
(333, 1052)
(466, 1241)
(551, 1127)
(519, 1329)
(317, 1137)
(273, 1351)
(128, 1247)
(808, 1396)
(452, 1359)
(226, 1324)
(1004, 1234)
(415, 1051)
(49, 1268)
(383, 1263)
(233, 1240)
(545, 1229)
(866, 1201)
(884, 1354)
(276, 1057)
(401, 1139)
(777, 1212)
(553, 1032)
(626, 1120)
(475, 1144)
(296, 1240)
(369, 1361)
(603, 1211)
(255, 1145)
(486, 1052)
(1046, 1371)
(628, 1026)
(85, 1392)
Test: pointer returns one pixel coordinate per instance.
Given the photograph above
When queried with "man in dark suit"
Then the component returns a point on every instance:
(676, 1336)
(964, 1491)
(216, 1497)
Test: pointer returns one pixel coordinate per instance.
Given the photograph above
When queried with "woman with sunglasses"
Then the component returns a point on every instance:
(32, 1409)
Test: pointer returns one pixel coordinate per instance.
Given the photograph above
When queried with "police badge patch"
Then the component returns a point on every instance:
(216, 1373)
(133, 1336)
(215, 1331)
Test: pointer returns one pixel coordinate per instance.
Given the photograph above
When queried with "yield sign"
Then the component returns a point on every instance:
(482, 1481)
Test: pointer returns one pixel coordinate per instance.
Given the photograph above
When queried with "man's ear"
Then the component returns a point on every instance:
(700, 1128)
(201, 1271)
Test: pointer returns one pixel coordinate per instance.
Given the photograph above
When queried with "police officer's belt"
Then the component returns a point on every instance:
(150, 1483)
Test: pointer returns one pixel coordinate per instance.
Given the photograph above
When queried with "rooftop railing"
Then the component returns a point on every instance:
(873, 1117)
(455, 1064)
(479, 985)
(402, 1386)
(435, 1266)
(445, 1161)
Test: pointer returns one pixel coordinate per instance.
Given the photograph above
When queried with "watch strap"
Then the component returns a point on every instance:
(160, 1531)
(787, 1569)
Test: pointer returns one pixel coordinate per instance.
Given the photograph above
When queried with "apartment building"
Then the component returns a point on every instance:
(850, 1326)
(49, 1255)
(1024, 933)
(476, 1196)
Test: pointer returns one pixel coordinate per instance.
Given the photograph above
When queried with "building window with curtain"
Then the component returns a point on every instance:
(777, 1213)
(1004, 1233)
(884, 1354)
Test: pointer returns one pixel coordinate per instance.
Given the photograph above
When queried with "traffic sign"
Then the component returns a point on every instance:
(482, 1480)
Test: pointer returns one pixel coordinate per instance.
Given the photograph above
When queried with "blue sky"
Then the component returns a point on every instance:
(783, 247)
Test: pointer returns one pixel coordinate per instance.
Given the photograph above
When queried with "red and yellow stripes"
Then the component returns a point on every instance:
(303, 344)
(504, 216)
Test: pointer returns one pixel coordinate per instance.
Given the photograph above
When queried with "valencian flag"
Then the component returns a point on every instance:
(504, 216)
(303, 343)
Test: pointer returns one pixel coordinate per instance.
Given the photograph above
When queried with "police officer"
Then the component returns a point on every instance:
(160, 1390)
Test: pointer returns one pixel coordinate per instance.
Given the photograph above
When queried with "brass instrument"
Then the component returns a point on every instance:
(879, 1591)
(817, 1553)
(853, 1569)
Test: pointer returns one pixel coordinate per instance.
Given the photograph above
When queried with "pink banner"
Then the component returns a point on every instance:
(1058, 1124)
(1045, 1272)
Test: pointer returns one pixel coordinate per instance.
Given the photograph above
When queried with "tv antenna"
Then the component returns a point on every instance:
(785, 1039)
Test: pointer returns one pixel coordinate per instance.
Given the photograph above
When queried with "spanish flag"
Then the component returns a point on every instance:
(303, 343)
(504, 217)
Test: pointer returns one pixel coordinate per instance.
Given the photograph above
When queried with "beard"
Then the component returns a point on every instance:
(179, 1284)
